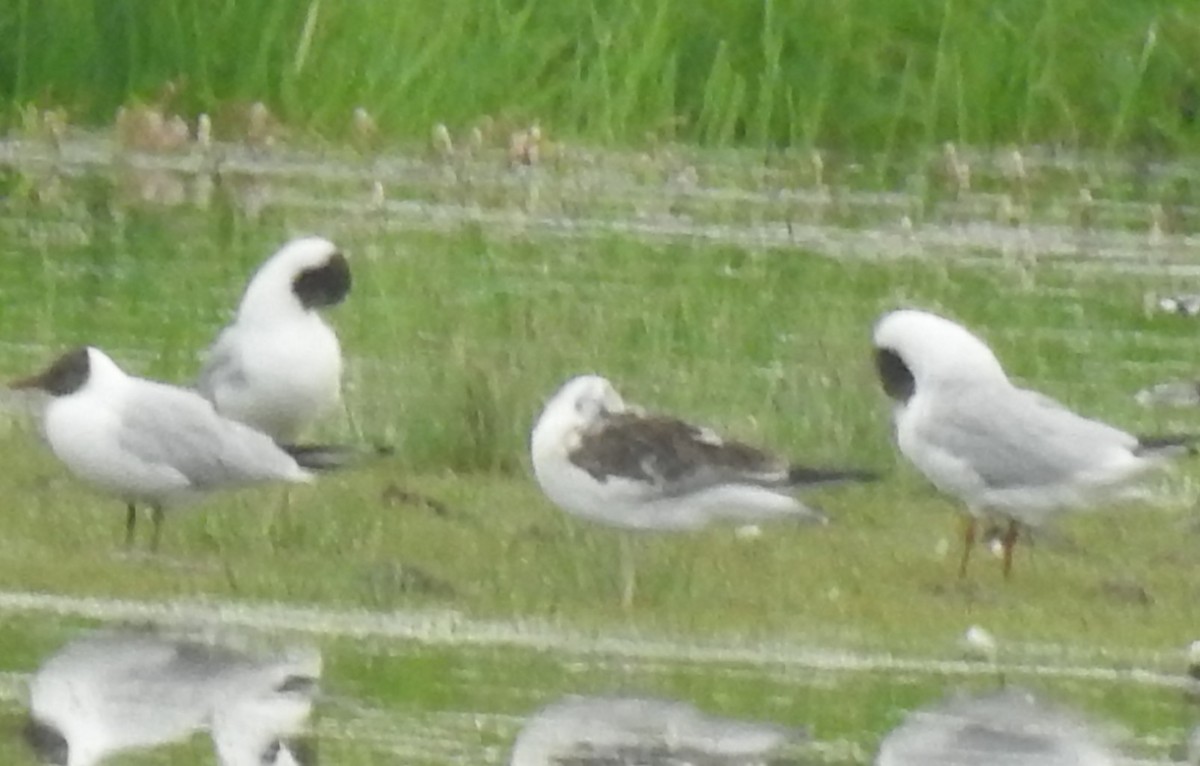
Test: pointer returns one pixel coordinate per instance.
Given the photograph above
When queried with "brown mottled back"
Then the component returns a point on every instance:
(662, 450)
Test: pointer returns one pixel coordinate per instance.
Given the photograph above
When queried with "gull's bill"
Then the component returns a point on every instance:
(591, 731)
(1011, 727)
(1005, 451)
(278, 366)
(603, 460)
(124, 689)
(150, 443)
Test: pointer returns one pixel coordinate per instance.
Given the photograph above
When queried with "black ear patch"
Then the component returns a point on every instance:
(898, 381)
(297, 685)
(324, 285)
(66, 376)
(46, 741)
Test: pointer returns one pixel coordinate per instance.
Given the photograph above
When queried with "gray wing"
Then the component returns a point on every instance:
(222, 365)
(180, 430)
(596, 731)
(1009, 726)
(1012, 437)
(674, 456)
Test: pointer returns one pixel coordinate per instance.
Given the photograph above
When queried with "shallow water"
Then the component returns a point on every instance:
(82, 216)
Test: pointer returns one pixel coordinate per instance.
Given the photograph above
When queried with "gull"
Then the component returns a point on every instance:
(1192, 670)
(123, 689)
(605, 461)
(1006, 452)
(1010, 727)
(1187, 304)
(617, 730)
(978, 644)
(1172, 393)
(151, 443)
(278, 366)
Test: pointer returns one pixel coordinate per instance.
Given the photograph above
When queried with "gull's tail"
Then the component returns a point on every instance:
(800, 476)
(1167, 446)
(333, 457)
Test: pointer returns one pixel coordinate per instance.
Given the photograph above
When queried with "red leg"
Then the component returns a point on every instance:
(1009, 541)
(968, 544)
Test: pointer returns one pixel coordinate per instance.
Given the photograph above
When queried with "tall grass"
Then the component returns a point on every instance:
(871, 75)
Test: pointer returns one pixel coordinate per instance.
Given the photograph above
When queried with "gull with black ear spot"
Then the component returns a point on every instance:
(593, 731)
(1009, 727)
(1007, 452)
(126, 689)
(278, 366)
(604, 460)
(155, 444)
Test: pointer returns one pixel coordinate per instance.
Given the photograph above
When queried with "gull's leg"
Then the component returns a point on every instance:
(277, 517)
(130, 524)
(156, 516)
(628, 572)
(1009, 541)
(969, 527)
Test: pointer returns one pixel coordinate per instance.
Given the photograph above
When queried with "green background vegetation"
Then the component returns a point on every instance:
(860, 75)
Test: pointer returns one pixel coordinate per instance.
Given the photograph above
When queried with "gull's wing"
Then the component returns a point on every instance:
(673, 456)
(591, 731)
(173, 429)
(222, 365)
(1011, 437)
(1009, 726)
(126, 684)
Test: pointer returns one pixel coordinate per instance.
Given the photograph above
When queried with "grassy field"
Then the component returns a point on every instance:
(456, 341)
(870, 76)
(680, 236)
(455, 338)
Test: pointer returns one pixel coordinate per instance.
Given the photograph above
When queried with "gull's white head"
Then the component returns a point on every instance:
(304, 275)
(72, 372)
(580, 402)
(584, 399)
(257, 722)
(1193, 660)
(916, 350)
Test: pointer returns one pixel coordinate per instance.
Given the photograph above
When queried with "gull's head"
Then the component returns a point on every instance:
(580, 402)
(307, 274)
(916, 349)
(267, 707)
(1193, 660)
(584, 400)
(47, 742)
(71, 372)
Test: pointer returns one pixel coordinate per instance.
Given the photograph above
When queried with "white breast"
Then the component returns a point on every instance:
(290, 376)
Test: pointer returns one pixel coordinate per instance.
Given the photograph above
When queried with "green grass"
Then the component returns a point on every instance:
(870, 76)
(455, 340)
